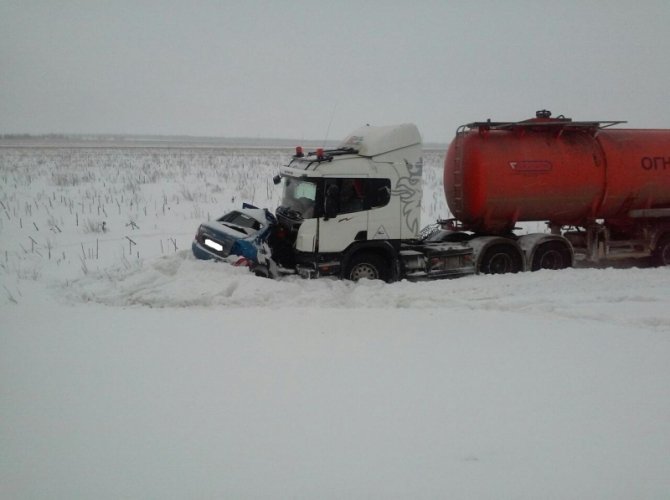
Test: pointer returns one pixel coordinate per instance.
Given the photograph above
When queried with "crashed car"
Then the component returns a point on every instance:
(234, 236)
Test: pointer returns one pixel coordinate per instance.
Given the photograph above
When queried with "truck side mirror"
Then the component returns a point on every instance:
(331, 201)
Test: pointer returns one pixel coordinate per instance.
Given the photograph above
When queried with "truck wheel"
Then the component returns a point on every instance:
(661, 254)
(500, 259)
(367, 265)
(552, 255)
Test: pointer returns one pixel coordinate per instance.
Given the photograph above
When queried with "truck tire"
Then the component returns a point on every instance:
(367, 265)
(552, 255)
(661, 255)
(500, 259)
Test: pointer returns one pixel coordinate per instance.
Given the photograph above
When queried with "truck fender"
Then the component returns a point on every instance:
(530, 244)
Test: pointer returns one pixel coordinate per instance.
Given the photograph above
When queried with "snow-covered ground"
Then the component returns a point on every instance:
(128, 369)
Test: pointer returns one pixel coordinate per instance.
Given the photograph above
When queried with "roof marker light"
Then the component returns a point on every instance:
(299, 152)
(319, 154)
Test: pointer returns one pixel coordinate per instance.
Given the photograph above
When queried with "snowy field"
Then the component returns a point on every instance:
(130, 370)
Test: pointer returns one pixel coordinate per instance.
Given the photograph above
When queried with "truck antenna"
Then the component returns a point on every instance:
(330, 122)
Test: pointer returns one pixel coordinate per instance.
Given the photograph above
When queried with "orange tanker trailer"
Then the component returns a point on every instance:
(605, 192)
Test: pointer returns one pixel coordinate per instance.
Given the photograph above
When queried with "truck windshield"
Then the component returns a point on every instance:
(299, 195)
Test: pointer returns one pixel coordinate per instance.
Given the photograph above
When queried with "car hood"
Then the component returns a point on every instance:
(228, 230)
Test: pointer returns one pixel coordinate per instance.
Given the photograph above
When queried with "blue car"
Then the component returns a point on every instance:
(235, 234)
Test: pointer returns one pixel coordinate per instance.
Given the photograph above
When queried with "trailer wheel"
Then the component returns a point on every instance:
(367, 265)
(552, 255)
(500, 259)
(661, 254)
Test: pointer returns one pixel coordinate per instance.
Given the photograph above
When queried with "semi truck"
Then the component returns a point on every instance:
(354, 211)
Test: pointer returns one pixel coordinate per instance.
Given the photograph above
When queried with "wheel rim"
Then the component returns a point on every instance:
(500, 263)
(364, 270)
(551, 260)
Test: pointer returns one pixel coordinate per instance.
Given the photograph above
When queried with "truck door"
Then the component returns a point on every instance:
(351, 220)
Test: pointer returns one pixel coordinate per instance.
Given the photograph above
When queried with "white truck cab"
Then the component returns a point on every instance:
(347, 211)
(371, 178)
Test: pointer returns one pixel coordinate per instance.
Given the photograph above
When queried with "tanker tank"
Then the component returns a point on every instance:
(554, 169)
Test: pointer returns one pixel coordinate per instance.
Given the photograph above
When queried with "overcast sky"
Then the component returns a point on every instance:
(288, 69)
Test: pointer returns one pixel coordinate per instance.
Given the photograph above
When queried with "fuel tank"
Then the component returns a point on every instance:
(555, 170)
